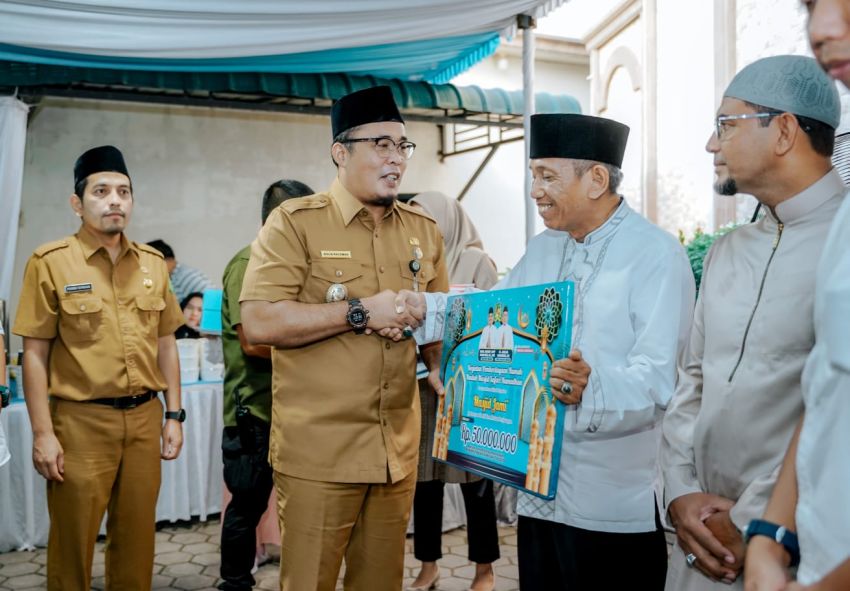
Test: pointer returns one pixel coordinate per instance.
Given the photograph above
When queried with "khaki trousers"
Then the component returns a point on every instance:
(112, 463)
(322, 522)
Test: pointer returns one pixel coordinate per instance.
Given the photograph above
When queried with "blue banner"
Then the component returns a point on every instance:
(498, 417)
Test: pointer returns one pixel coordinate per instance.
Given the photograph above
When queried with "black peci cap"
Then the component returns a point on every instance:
(101, 159)
(579, 137)
(371, 105)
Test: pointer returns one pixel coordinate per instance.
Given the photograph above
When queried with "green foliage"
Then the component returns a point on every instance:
(698, 247)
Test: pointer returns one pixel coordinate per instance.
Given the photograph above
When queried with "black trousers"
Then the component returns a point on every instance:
(480, 521)
(248, 477)
(554, 556)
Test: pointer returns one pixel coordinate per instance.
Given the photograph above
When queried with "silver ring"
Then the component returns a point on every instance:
(566, 387)
(691, 558)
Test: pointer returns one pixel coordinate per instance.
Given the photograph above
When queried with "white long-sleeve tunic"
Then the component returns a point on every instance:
(634, 300)
(823, 467)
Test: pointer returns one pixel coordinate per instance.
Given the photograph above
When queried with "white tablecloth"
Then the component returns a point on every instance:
(191, 484)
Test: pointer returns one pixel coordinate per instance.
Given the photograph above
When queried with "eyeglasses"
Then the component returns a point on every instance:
(720, 121)
(385, 146)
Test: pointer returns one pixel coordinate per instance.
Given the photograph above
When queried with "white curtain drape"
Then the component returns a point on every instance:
(13, 137)
(188, 29)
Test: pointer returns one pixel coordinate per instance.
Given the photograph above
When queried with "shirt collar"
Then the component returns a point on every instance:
(610, 225)
(90, 244)
(349, 205)
(809, 198)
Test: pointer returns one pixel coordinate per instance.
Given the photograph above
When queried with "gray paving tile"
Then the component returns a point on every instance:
(30, 580)
(19, 568)
(193, 582)
(172, 558)
(182, 569)
(187, 558)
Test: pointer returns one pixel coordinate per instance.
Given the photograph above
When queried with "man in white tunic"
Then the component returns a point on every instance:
(810, 497)
(738, 398)
(634, 299)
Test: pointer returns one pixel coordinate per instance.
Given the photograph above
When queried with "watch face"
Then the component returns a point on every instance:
(357, 316)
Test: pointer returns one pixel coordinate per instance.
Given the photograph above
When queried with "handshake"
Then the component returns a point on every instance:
(394, 315)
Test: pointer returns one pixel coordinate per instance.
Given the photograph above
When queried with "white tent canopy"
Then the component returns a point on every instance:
(190, 36)
(187, 29)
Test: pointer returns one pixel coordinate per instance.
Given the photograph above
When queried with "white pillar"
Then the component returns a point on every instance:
(527, 24)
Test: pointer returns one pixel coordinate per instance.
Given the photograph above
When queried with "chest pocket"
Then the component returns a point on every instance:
(324, 273)
(148, 308)
(81, 319)
(426, 274)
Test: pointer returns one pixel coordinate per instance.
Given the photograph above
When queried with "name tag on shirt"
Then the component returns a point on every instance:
(336, 254)
(78, 288)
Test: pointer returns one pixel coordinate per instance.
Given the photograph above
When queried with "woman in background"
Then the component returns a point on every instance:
(467, 263)
(192, 306)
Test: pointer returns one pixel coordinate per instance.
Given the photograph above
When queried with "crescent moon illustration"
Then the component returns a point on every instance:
(521, 319)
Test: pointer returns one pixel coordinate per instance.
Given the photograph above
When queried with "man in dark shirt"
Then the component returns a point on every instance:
(247, 414)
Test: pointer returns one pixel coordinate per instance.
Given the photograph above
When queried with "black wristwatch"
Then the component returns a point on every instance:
(5, 396)
(177, 415)
(779, 533)
(357, 316)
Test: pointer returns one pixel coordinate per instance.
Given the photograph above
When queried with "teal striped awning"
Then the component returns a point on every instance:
(269, 91)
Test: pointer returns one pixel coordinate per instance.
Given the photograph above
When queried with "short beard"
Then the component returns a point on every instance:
(382, 201)
(727, 187)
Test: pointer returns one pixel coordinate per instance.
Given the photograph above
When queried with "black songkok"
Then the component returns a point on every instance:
(370, 105)
(101, 159)
(579, 137)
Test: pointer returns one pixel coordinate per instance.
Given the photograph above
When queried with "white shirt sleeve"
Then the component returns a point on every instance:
(435, 317)
(676, 454)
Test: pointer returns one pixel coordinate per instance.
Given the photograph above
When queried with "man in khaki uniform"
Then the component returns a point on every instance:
(345, 412)
(98, 323)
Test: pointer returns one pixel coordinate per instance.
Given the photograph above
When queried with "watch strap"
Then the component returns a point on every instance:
(177, 415)
(356, 306)
(779, 533)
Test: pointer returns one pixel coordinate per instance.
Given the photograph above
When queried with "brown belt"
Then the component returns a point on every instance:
(125, 402)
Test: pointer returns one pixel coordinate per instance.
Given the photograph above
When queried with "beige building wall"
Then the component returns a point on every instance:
(685, 54)
(617, 84)
(198, 174)
(685, 90)
(496, 201)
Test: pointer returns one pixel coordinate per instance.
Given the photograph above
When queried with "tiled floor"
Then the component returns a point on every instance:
(187, 558)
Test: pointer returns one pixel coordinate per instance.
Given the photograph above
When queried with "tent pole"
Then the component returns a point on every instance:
(526, 24)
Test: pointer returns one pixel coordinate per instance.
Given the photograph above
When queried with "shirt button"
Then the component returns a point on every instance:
(82, 307)
(387, 345)
(338, 273)
(381, 268)
(386, 386)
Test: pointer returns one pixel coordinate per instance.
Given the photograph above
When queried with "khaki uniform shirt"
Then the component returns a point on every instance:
(104, 319)
(345, 409)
